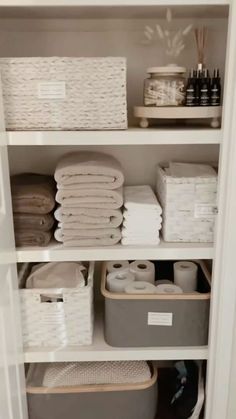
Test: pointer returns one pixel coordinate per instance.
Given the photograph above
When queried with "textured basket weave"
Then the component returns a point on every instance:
(184, 201)
(63, 374)
(60, 323)
(64, 93)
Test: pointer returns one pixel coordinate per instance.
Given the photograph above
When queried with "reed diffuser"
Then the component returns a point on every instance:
(201, 41)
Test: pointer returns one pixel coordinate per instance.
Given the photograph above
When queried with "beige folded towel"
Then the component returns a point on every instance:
(88, 218)
(88, 169)
(42, 222)
(57, 275)
(96, 237)
(33, 193)
(32, 237)
(90, 198)
(84, 226)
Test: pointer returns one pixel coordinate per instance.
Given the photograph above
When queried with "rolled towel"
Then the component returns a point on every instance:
(32, 237)
(57, 275)
(96, 237)
(32, 193)
(89, 216)
(41, 222)
(88, 169)
(90, 198)
(141, 198)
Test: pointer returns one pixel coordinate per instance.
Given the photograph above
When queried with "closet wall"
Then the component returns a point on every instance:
(84, 34)
(124, 36)
(138, 163)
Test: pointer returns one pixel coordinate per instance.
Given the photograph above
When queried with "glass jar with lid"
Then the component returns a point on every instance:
(165, 86)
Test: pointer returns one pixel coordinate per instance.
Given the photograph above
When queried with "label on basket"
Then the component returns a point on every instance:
(52, 90)
(205, 211)
(160, 319)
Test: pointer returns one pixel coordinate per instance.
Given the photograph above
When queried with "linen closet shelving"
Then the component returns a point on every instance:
(81, 27)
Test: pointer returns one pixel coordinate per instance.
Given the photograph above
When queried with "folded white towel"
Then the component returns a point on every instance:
(130, 215)
(141, 234)
(144, 225)
(127, 241)
(140, 198)
(127, 232)
(142, 222)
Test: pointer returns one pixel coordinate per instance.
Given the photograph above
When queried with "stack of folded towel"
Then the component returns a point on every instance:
(90, 195)
(142, 216)
(33, 199)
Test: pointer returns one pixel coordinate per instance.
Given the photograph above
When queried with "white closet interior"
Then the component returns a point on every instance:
(29, 30)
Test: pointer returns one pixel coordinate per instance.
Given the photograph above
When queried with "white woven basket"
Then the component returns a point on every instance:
(60, 93)
(189, 207)
(69, 322)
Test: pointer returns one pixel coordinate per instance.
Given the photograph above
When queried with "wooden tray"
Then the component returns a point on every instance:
(144, 113)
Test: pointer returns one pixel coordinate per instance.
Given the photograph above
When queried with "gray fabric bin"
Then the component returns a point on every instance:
(158, 320)
(126, 401)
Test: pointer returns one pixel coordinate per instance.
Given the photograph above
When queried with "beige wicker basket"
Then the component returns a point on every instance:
(189, 207)
(68, 322)
(59, 93)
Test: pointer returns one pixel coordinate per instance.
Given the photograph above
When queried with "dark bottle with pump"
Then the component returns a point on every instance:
(205, 89)
(191, 90)
(198, 78)
(215, 98)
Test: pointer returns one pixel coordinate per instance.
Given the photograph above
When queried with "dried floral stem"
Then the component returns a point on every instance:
(173, 42)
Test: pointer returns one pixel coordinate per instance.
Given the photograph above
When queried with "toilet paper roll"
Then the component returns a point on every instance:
(140, 287)
(168, 289)
(117, 281)
(163, 281)
(143, 271)
(117, 265)
(185, 275)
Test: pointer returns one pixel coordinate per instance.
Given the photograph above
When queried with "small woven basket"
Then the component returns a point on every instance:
(189, 207)
(68, 322)
(60, 93)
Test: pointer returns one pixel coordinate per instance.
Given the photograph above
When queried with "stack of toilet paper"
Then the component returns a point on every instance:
(142, 216)
(138, 277)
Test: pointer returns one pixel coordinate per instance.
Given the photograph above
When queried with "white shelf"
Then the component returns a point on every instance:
(132, 136)
(69, 3)
(165, 251)
(100, 351)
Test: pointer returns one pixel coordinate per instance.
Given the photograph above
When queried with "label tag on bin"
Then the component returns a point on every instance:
(52, 90)
(160, 319)
(205, 211)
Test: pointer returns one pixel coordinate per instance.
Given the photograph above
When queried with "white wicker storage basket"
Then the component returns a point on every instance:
(60, 93)
(69, 322)
(189, 207)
